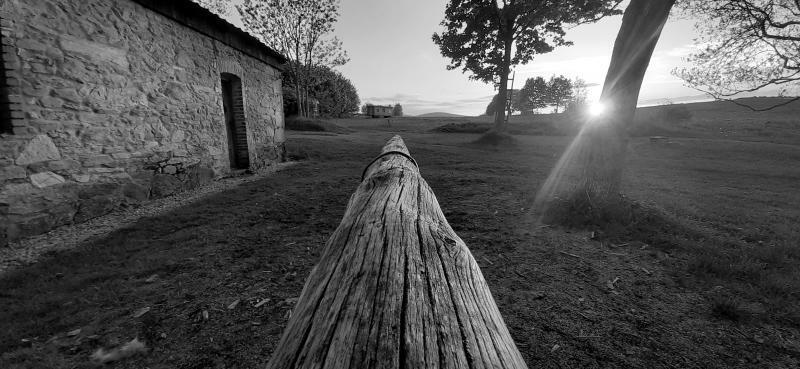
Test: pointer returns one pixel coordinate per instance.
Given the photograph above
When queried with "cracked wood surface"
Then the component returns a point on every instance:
(395, 286)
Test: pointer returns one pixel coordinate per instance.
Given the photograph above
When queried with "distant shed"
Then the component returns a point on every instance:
(379, 111)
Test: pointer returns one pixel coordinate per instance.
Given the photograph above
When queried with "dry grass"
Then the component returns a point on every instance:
(703, 251)
(748, 268)
(313, 125)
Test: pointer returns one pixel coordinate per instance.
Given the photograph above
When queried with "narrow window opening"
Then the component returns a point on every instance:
(233, 103)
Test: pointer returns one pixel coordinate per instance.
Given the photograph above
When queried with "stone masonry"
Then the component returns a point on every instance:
(113, 102)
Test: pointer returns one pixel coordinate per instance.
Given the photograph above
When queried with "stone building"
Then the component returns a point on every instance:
(110, 102)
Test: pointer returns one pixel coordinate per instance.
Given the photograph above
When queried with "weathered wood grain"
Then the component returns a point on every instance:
(395, 286)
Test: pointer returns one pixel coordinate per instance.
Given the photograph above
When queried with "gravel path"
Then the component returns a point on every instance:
(29, 250)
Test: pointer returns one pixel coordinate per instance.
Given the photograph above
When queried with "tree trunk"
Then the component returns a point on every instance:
(395, 286)
(298, 98)
(306, 106)
(502, 93)
(301, 100)
(607, 139)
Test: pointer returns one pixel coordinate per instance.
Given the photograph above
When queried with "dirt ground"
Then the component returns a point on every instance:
(212, 283)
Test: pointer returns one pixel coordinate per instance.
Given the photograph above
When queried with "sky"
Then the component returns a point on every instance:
(393, 60)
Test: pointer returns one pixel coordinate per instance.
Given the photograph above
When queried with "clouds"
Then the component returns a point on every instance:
(683, 51)
(680, 52)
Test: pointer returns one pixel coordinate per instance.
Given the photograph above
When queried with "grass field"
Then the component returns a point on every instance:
(712, 280)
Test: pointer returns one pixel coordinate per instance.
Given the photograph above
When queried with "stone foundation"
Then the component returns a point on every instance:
(114, 103)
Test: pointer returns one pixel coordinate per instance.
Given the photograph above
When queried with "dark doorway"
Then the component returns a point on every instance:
(233, 102)
(5, 102)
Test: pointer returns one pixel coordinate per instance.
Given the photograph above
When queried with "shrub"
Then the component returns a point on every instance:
(468, 127)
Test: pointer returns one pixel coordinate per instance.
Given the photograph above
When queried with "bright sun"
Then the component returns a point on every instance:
(596, 109)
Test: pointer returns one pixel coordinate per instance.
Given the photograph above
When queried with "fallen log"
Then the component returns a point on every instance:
(395, 286)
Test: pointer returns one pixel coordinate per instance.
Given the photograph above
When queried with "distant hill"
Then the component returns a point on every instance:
(756, 102)
(676, 100)
(768, 92)
(440, 115)
(722, 119)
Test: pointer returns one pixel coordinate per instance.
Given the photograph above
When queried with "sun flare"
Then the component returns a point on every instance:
(597, 109)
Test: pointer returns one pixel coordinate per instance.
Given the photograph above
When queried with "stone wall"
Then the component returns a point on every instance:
(118, 104)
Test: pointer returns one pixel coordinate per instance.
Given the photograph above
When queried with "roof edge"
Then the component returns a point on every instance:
(202, 20)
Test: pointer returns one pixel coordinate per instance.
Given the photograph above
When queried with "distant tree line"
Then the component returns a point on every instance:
(537, 93)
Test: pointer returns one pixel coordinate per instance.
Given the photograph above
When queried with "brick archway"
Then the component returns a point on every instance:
(229, 66)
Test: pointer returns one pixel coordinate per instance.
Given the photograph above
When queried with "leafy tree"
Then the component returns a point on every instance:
(364, 108)
(559, 91)
(397, 111)
(749, 45)
(487, 37)
(220, 7)
(301, 30)
(532, 96)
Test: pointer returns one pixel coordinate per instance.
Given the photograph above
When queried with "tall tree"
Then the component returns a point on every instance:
(606, 138)
(559, 91)
(302, 30)
(748, 45)
(487, 37)
(532, 96)
(397, 111)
